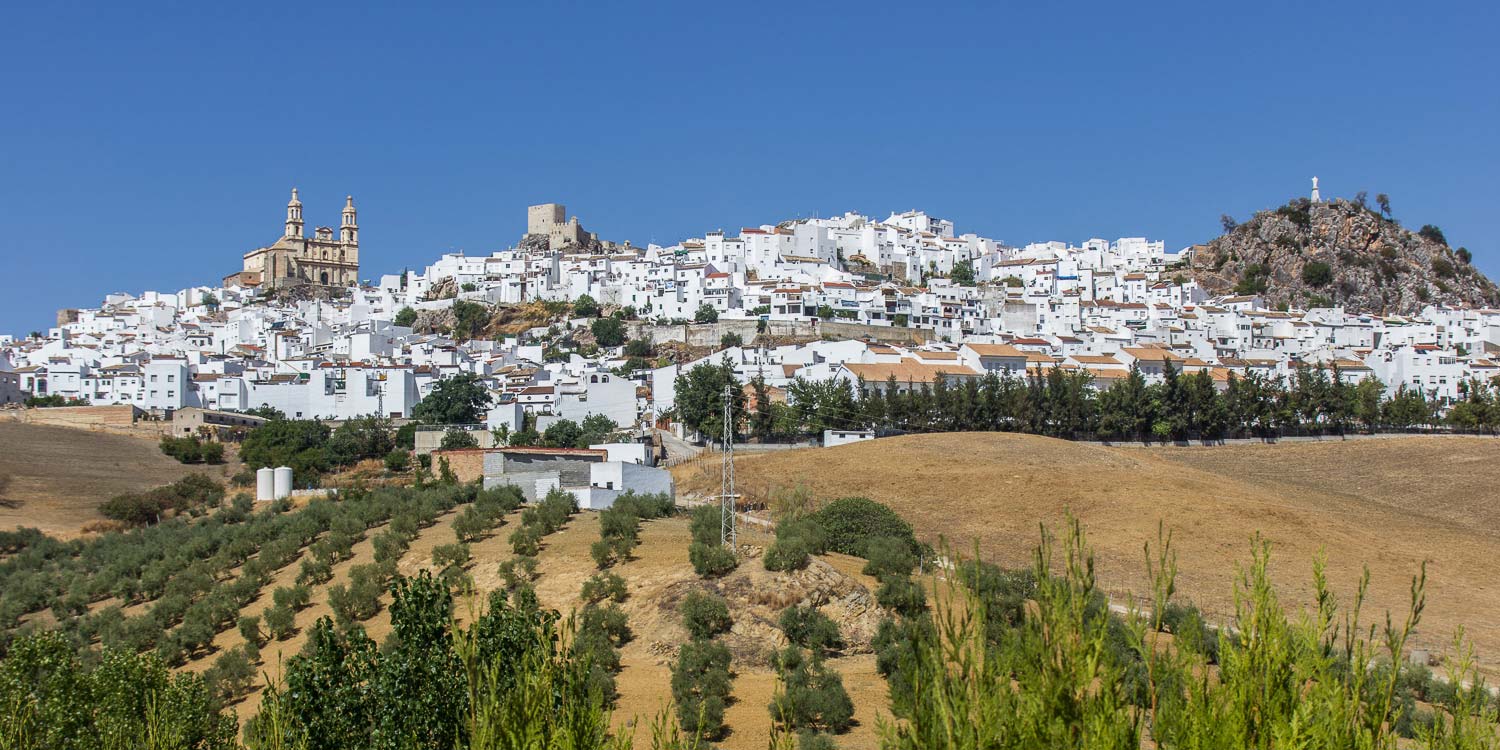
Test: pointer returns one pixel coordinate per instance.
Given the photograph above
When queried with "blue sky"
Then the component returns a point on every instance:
(148, 146)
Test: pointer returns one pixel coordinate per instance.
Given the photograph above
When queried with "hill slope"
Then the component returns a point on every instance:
(1309, 254)
(1389, 503)
(54, 478)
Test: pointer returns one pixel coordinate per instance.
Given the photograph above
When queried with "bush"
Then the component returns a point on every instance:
(518, 571)
(887, 556)
(700, 687)
(279, 622)
(314, 570)
(813, 695)
(585, 307)
(705, 524)
(711, 560)
(903, 596)
(456, 439)
(291, 597)
(1317, 274)
(810, 629)
(187, 450)
(849, 524)
(526, 541)
(608, 332)
(601, 586)
(705, 615)
(447, 556)
(249, 627)
(398, 460)
(795, 541)
(731, 339)
(230, 676)
(212, 453)
(706, 313)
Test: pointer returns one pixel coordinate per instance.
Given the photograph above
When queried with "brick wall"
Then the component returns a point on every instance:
(467, 463)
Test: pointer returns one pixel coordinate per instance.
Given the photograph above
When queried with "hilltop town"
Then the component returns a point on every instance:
(850, 297)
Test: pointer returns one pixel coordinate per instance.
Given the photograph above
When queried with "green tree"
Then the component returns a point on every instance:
(706, 313)
(469, 319)
(700, 398)
(405, 318)
(461, 399)
(1431, 233)
(608, 332)
(297, 443)
(456, 439)
(361, 438)
(564, 433)
(963, 273)
(585, 307)
(731, 339)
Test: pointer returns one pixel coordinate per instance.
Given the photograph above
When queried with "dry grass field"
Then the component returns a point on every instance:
(53, 478)
(1388, 504)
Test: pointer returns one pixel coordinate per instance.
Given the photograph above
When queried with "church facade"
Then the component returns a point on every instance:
(298, 259)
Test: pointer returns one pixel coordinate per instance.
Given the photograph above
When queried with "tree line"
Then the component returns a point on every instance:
(1068, 404)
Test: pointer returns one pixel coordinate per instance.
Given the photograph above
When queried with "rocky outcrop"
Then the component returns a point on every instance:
(1308, 254)
(444, 288)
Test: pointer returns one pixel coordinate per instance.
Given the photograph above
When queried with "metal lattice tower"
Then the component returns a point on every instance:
(726, 495)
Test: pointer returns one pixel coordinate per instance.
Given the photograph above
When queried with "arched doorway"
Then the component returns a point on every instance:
(324, 277)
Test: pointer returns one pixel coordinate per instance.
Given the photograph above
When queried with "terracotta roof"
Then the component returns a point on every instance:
(996, 350)
(906, 371)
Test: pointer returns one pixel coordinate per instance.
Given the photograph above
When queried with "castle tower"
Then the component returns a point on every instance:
(294, 216)
(1315, 197)
(348, 229)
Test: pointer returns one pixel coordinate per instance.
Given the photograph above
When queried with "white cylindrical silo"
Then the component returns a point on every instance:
(283, 482)
(265, 483)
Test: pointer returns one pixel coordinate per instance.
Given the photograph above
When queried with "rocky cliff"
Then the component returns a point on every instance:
(1341, 252)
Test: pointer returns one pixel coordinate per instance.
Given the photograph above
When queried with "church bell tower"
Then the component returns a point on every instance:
(294, 216)
(348, 228)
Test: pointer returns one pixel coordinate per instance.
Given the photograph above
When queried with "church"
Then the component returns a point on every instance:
(297, 259)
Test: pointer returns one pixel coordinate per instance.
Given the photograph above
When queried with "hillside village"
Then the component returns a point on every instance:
(849, 297)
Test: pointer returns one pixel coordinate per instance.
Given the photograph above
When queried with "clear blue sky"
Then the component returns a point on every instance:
(148, 147)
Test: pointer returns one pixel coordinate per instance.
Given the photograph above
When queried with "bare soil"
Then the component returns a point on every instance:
(54, 478)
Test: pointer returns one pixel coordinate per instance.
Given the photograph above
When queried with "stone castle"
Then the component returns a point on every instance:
(549, 220)
(297, 259)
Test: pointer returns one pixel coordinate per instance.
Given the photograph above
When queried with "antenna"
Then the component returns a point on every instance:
(727, 497)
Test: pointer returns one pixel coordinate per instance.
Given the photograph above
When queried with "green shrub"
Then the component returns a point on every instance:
(888, 556)
(249, 627)
(810, 629)
(706, 524)
(795, 541)
(851, 522)
(700, 687)
(292, 597)
(813, 695)
(230, 676)
(903, 596)
(52, 698)
(212, 453)
(526, 541)
(705, 615)
(603, 585)
(711, 561)
(314, 571)
(398, 460)
(1317, 274)
(518, 571)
